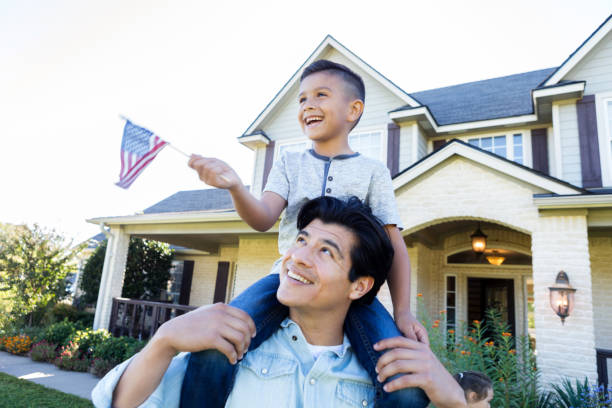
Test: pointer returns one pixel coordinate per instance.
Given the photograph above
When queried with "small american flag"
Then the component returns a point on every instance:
(138, 148)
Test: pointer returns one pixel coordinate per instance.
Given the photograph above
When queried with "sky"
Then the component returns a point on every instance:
(197, 73)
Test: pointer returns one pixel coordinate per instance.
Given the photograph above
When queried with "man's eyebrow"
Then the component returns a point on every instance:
(303, 232)
(335, 246)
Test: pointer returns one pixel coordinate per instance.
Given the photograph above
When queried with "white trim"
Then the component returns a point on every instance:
(255, 141)
(497, 164)
(604, 134)
(383, 139)
(558, 169)
(415, 142)
(557, 90)
(580, 53)
(330, 42)
(576, 201)
(168, 218)
(509, 135)
(456, 291)
(398, 116)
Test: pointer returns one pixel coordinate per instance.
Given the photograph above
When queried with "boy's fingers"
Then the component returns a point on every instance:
(242, 326)
(422, 335)
(227, 349)
(242, 315)
(237, 338)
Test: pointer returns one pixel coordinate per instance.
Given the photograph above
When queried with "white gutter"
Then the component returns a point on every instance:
(168, 218)
(577, 201)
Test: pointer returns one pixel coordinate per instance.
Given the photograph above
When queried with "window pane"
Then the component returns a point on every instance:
(367, 144)
(450, 316)
(500, 151)
(486, 143)
(293, 147)
(450, 283)
(475, 142)
(499, 141)
(450, 299)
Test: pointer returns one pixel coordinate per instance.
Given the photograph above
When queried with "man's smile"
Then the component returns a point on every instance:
(294, 275)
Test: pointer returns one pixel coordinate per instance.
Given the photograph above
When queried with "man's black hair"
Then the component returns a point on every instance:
(353, 80)
(474, 381)
(372, 254)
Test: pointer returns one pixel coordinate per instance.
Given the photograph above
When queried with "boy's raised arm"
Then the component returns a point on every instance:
(260, 214)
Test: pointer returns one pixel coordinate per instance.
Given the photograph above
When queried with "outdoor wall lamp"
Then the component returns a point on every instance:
(562, 296)
(479, 241)
(495, 258)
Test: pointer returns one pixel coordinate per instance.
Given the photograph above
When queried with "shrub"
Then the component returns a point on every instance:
(69, 359)
(18, 344)
(35, 333)
(99, 367)
(581, 395)
(117, 349)
(63, 311)
(43, 351)
(60, 332)
(88, 340)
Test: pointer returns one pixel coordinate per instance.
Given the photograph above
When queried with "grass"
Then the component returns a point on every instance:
(16, 393)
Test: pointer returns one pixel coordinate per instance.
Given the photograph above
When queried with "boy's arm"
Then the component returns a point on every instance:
(399, 286)
(217, 326)
(259, 214)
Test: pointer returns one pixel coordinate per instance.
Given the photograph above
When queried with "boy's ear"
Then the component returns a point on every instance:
(360, 287)
(355, 110)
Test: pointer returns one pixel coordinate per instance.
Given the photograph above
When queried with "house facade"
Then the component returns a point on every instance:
(526, 158)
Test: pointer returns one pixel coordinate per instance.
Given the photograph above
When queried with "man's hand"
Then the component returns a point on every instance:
(421, 368)
(219, 326)
(215, 172)
(411, 327)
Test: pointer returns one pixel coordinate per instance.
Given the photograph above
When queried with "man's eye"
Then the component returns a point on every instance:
(300, 239)
(327, 251)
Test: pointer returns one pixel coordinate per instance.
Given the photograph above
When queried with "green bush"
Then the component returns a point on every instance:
(60, 332)
(85, 319)
(99, 367)
(63, 311)
(43, 351)
(117, 349)
(88, 340)
(70, 360)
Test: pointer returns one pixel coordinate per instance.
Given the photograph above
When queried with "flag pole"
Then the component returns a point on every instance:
(178, 150)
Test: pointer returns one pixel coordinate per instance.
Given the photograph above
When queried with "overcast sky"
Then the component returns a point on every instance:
(198, 73)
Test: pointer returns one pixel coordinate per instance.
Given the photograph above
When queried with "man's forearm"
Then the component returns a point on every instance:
(143, 374)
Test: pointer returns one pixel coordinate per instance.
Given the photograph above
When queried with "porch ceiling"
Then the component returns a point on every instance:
(202, 242)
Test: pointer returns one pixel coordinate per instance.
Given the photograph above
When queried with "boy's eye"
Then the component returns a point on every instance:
(321, 94)
(301, 100)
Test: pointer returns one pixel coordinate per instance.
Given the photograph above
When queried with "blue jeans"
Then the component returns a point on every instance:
(209, 377)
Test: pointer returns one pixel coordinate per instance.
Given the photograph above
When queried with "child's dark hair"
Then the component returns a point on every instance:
(353, 80)
(372, 254)
(475, 382)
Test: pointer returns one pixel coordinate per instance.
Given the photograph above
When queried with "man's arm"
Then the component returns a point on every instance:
(399, 286)
(217, 326)
(421, 369)
(259, 214)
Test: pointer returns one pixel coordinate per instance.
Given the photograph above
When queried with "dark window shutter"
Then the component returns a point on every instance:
(589, 142)
(437, 144)
(186, 282)
(268, 163)
(539, 150)
(221, 284)
(393, 139)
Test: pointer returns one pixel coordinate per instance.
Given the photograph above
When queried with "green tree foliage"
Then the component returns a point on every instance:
(34, 264)
(146, 273)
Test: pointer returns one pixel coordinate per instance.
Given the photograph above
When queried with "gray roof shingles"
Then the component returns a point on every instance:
(483, 100)
(212, 199)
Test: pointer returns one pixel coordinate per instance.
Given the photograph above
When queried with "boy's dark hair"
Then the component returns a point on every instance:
(476, 382)
(353, 80)
(372, 255)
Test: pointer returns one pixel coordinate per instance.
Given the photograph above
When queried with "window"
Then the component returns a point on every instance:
(451, 302)
(367, 143)
(508, 146)
(293, 146)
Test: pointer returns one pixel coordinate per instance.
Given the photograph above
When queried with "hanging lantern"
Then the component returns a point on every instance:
(479, 241)
(562, 296)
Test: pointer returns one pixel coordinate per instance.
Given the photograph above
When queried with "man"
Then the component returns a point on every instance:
(341, 256)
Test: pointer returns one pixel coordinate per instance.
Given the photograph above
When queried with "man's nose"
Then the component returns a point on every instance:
(302, 255)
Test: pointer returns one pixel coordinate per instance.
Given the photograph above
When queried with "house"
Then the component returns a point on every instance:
(526, 159)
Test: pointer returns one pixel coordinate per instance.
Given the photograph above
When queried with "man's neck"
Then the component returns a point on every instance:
(320, 329)
(333, 147)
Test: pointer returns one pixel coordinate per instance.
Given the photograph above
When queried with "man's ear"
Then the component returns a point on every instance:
(360, 287)
(355, 110)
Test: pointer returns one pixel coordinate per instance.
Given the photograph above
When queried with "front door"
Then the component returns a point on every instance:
(486, 293)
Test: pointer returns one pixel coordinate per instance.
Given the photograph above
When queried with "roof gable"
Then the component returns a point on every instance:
(580, 52)
(497, 163)
(329, 43)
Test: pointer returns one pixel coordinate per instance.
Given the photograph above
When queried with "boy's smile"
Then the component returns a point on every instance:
(325, 107)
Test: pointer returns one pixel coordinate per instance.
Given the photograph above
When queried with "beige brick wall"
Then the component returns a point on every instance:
(601, 268)
(256, 254)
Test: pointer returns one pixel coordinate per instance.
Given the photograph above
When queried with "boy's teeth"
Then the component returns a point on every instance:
(298, 277)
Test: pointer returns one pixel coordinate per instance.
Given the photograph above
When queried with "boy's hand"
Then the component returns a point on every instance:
(421, 368)
(411, 327)
(215, 172)
(219, 326)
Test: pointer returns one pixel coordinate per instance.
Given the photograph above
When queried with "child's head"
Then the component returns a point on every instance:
(330, 100)
(478, 388)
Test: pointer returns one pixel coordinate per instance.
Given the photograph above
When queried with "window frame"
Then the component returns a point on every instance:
(509, 136)
(604, 133)
(383, 139)
(455, 307)
(288, 142)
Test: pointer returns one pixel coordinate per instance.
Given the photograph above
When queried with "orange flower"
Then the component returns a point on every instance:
(442, 311)
(419, 295)
(506, 334)
(476, 322)
(463, 352)
(451, 331)
(468, 352)
(435, 326)
(512, 351)
(501, 379)
(436, 322)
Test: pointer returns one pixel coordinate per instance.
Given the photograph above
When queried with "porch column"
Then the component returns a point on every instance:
(560, 242)
(111, 282)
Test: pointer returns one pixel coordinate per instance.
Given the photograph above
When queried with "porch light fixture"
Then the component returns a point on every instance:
(562, 296)
(495, 259)
(479, 241)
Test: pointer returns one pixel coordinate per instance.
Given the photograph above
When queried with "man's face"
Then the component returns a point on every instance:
(315, 270)
(324, 106)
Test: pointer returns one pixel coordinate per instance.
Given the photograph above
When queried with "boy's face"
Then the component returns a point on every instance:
(314, 273)
(327, 107)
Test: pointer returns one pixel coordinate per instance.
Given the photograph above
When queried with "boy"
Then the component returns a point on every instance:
(478, 388)
(331, 101)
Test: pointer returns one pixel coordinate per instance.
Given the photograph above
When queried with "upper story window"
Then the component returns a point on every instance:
(368, 143)
(509, 146)
(292, 146)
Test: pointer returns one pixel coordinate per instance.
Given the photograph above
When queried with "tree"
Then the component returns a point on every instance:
(34, 264)
(147, 270)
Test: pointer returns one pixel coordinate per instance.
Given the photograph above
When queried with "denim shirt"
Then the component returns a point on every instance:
(280, 373)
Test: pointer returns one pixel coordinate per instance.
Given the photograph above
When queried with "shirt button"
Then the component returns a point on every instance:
(294, 338)
(265, 371)
(312, 381)
(364, 403)
(330, 178)
(328, 190)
